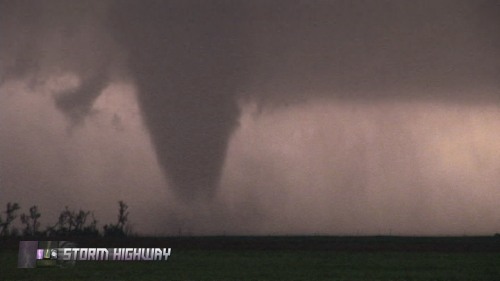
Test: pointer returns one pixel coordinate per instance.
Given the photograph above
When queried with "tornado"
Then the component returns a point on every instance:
(186, 58)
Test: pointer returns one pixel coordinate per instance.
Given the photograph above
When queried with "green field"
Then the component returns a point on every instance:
(285, 258)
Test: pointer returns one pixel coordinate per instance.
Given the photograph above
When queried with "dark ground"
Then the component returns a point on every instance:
(280, 258)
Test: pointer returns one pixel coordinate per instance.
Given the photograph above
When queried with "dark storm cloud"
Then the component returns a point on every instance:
(39, 39)
(374, 49)
(18, 23)
(193, 61)
(77, 103)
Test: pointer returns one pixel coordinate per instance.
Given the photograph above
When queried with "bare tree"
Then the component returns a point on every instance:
(121, 227)
(31, 221)
(74, 223)
(10, 216)
(122, 215)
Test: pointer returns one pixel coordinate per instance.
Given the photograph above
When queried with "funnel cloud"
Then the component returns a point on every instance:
(186, 58)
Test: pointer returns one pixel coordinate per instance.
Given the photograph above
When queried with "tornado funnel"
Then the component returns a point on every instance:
(186, 57)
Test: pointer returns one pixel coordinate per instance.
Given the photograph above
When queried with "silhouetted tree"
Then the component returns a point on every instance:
(118, 229)
(10, 216)
(123, 214)
(91, 229)
(80, 219)
(68, 223)
(73, 223)
(31, 221)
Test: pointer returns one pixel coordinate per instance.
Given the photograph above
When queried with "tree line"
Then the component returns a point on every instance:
(69, 223)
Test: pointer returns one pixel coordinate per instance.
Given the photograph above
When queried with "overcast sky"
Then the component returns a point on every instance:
(255, 117)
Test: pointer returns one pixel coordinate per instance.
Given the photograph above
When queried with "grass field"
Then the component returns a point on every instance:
(285, 258)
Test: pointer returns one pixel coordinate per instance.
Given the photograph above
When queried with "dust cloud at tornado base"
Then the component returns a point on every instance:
(383, 131)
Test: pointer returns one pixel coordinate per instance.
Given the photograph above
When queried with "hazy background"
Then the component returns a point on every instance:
(237, 117)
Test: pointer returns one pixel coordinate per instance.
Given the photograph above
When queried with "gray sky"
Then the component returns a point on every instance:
(237, 117)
